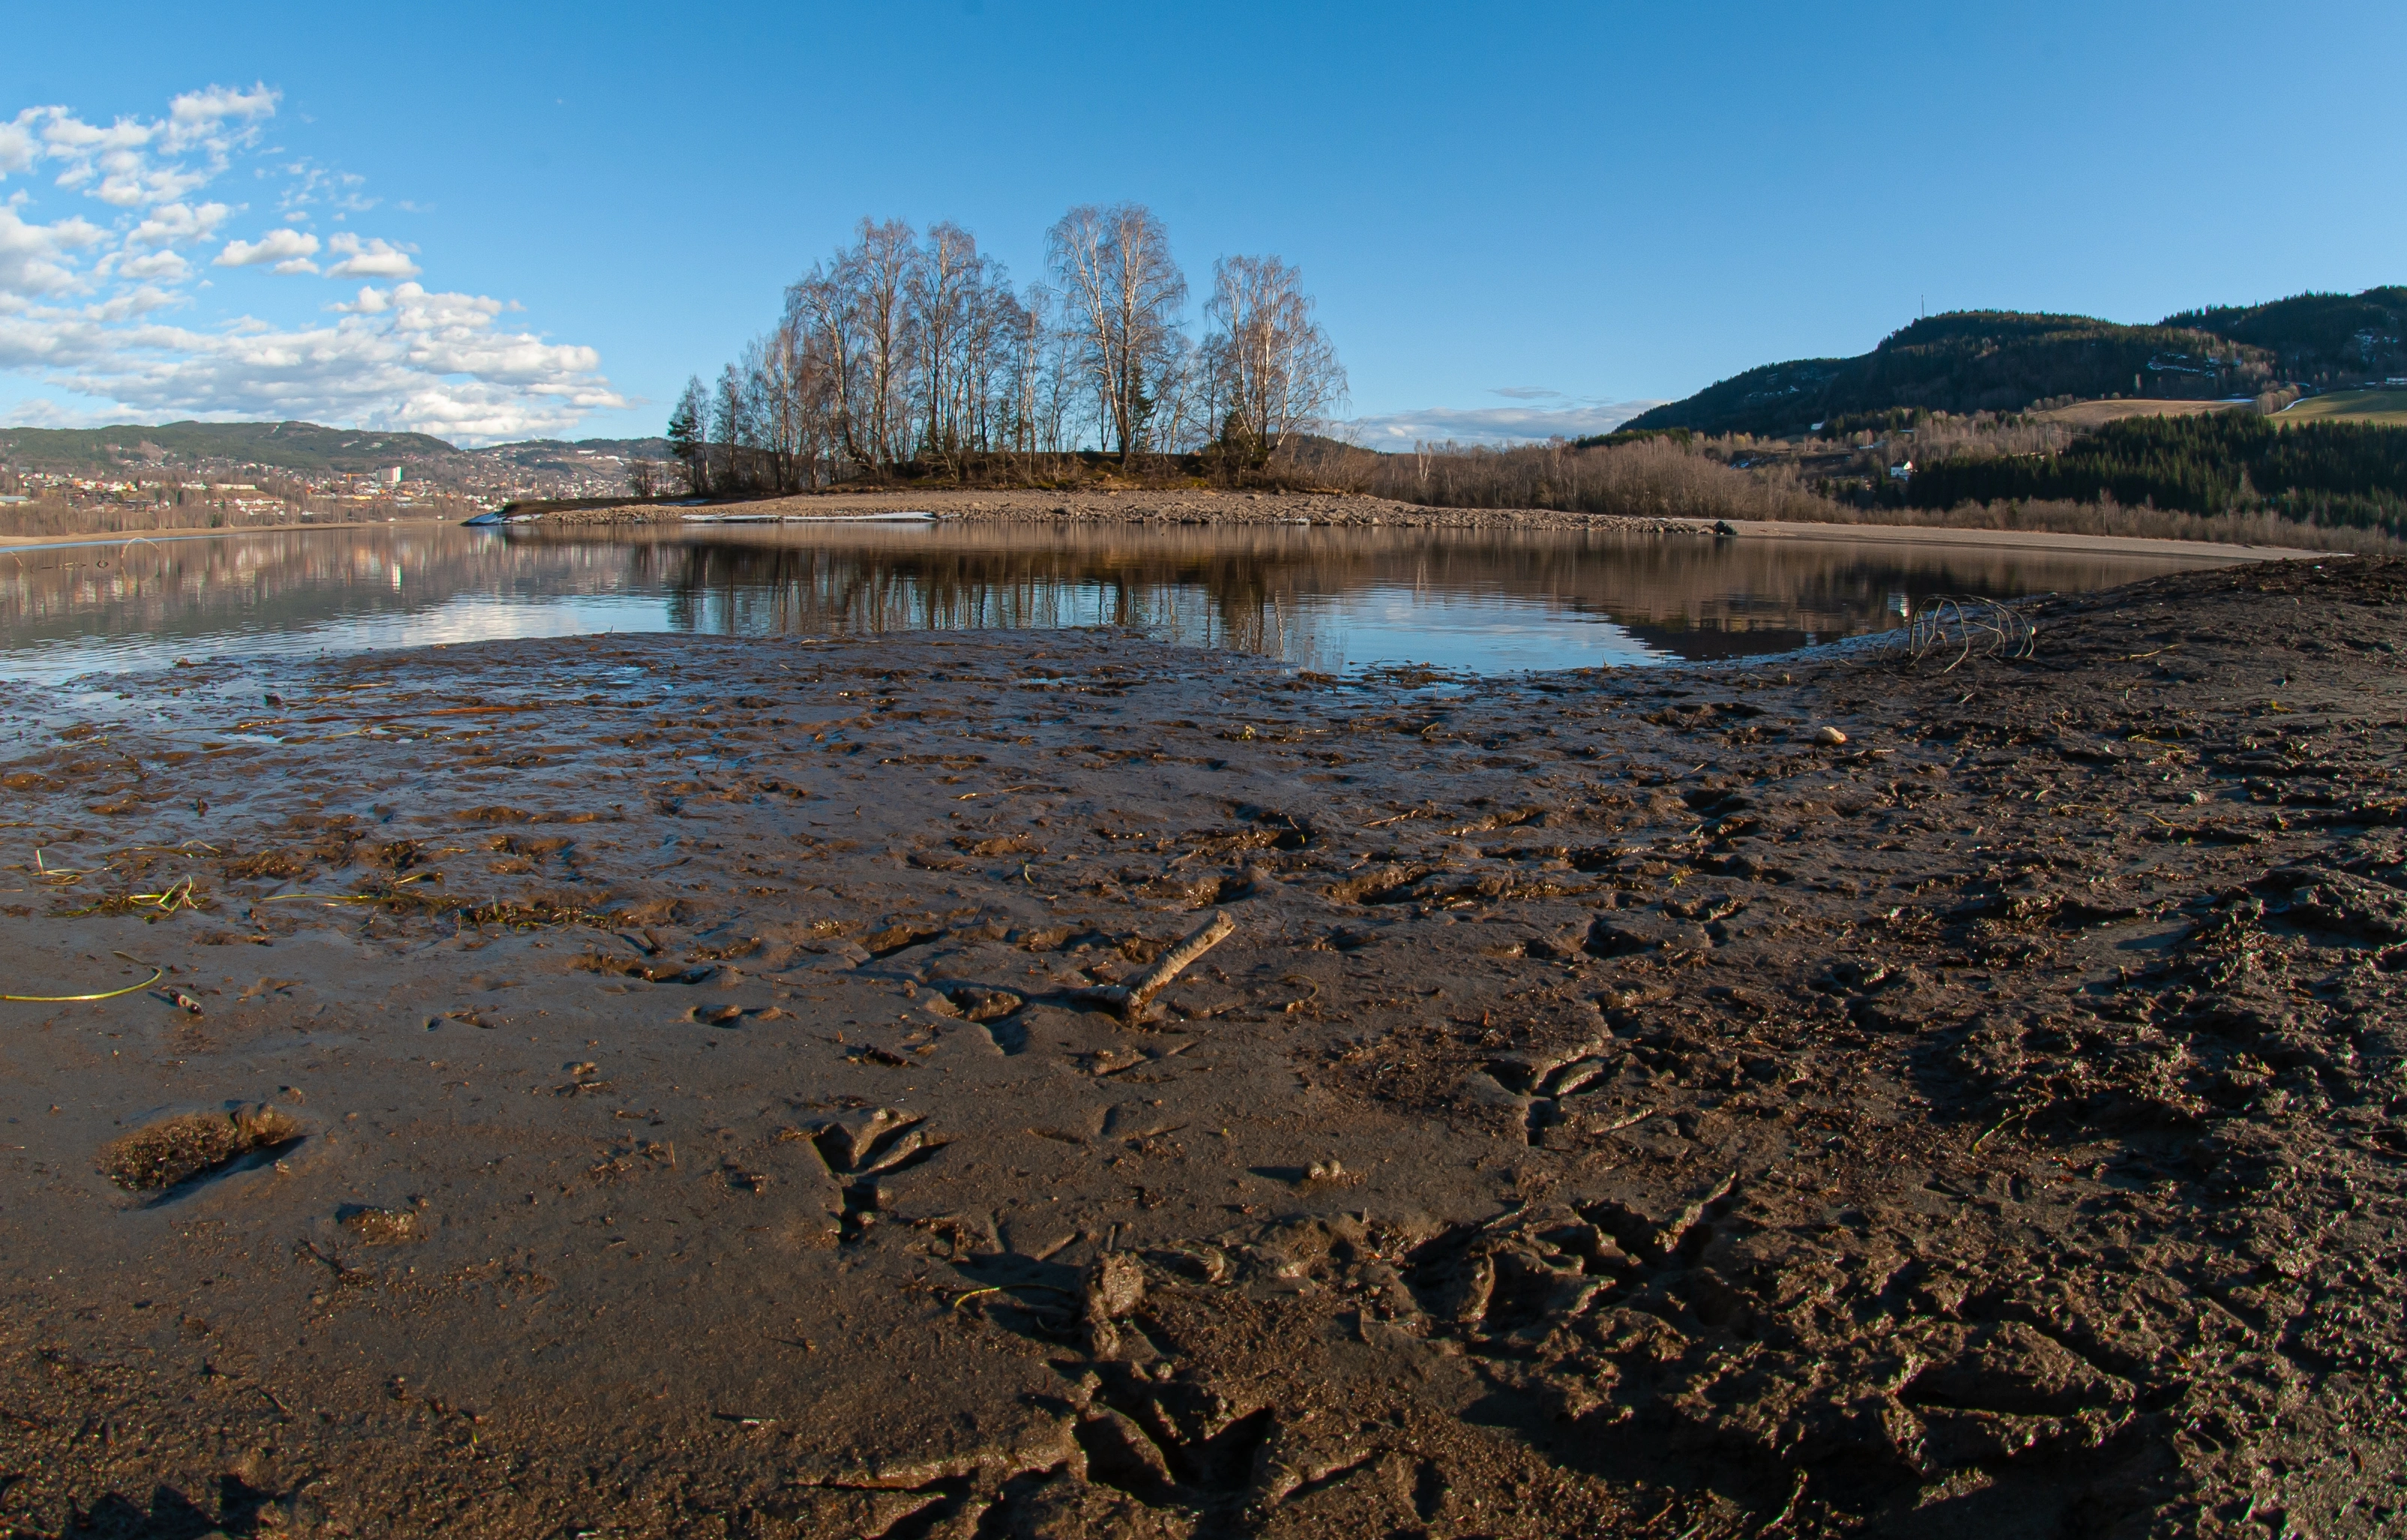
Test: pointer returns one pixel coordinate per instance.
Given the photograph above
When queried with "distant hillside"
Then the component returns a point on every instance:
(1974, 361)
(561, 455)
(2001, 361)
(301, 446)
(2322, 340)
(305, 450)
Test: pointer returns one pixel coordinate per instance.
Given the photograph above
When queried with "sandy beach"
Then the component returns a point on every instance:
(678, 1085)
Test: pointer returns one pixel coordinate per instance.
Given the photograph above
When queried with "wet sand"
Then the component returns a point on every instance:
(672, 1086)
(2016, 540)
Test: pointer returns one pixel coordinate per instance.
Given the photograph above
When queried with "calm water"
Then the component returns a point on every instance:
(1326, 598)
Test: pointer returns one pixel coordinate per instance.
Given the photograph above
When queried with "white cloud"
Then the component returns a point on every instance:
(81, 299)
(1400, 430)
(17, 147)
(177, 224)
(369, 259)
(40, 258)
(42, 411)
(282, 247)
(160, 266)
(126, 304)
(202, 117)
(407, 358)
(136, 165)
(309, 183)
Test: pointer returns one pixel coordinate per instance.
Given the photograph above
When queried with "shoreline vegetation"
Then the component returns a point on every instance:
(1662, 479)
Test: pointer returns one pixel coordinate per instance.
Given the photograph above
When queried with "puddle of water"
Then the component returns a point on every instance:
(1331, 599)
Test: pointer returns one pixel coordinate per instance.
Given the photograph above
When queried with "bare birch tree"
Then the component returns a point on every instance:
(1271, 369)
(791, 411)
(820, 314)
(1123, 293)
(942, 287)
(881, 264)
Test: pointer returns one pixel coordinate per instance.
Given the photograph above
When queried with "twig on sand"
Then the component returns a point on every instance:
(1132, 998)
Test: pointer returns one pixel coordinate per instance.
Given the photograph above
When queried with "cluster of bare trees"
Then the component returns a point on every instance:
(911, 350)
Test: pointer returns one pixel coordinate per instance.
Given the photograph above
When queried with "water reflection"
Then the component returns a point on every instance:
(1318, 598)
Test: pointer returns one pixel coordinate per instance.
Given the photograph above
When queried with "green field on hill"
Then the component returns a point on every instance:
(2389, 407)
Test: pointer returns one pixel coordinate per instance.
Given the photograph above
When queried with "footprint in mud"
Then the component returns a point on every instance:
(862, 1146)
(173, 1154)
(1539, 1083)
(996, 1010)
(864, 1143)
(980, 1004)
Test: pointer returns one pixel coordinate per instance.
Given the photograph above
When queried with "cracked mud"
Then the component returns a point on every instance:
(674, 1086)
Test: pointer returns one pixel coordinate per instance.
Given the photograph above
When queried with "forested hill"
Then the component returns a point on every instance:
(302, 449)
(2322, 340)
(303, 446)
(2002, 361)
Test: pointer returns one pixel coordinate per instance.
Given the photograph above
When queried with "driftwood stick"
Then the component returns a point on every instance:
(1132, 998)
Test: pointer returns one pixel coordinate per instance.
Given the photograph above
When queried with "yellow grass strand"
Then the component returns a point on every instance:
(156, 974)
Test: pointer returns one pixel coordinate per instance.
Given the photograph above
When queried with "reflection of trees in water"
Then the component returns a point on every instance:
(1276, 591)
(1264, 592)
(272, 578)
(1242, 598)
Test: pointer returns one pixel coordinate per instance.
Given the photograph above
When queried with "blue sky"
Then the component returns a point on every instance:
(543, 218)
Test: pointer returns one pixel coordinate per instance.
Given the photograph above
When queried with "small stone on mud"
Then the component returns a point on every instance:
(380, 1226)
(1328, 1173)
(1830, 737)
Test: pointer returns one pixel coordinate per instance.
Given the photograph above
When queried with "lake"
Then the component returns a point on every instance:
(1329, 598)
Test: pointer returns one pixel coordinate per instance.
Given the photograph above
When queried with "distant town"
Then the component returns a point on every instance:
(188, 476)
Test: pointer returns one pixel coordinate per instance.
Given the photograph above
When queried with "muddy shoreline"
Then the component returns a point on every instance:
(668, 1085)
(1177, 505)
(1344, 510)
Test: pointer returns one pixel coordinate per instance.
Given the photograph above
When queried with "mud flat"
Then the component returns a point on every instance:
(677, 1086)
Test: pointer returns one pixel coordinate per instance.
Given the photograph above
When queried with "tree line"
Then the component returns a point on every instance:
(905, 353)
(2338, 475)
